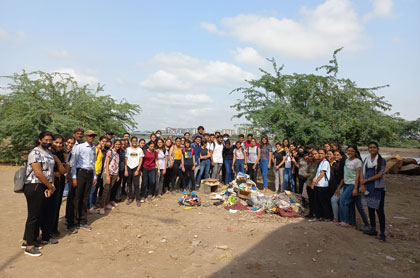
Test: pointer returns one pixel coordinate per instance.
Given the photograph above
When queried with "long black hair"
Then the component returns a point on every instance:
(42, 135)
(379, 166)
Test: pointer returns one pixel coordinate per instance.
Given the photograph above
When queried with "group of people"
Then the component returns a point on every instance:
(95, 178)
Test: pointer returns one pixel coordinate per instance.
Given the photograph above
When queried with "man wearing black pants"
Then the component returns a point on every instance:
(84, 176)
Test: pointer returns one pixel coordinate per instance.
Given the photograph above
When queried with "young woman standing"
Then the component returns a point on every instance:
(150, 166)
(204, 162)
(278, 160)
(373, 184)
(320, 187)
(60, 170)
(188, 165)
(238, 158)
(313, 161)
(228, 161)
(266, 157)
(111, 175)
(168, 175)
(252, 157)
(133, 160)
(175, 154)
(288, 166)
(38, 186)
(163, 162)
(350, 185)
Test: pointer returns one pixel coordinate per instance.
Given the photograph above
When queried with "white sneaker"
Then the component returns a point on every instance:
(93, 211)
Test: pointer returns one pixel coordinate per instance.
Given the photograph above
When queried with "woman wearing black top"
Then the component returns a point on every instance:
(51, 208)
(228, 161)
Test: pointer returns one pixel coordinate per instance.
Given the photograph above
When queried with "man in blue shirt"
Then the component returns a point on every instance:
(196, 146)
(84, 177)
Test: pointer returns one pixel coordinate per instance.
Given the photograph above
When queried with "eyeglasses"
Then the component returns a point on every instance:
(92, 135)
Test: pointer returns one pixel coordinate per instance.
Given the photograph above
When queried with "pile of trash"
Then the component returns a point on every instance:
(242, 194)
(190, 200)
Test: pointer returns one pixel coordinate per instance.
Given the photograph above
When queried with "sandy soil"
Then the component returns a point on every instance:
(157, 239)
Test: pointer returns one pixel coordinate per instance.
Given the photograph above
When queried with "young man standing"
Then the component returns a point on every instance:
(217, 157)
(200, 132)
(84, 176)
(110, 135)
(196, 146)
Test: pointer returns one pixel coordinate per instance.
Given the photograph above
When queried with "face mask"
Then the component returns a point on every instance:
(106, 148)
(225, 138)
(46, 145)
(157, 135)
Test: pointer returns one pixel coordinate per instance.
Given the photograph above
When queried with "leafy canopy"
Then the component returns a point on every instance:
(56, 102)
(311, 108)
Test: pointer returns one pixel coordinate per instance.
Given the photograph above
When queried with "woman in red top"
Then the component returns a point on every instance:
(150, 167)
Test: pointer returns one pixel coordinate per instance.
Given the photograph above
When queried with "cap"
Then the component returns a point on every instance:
(90, 132)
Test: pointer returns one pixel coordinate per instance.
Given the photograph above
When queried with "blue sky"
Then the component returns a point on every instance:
(180, 59)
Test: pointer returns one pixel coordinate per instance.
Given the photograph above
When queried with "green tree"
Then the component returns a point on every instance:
(315, 108)
(56, 102)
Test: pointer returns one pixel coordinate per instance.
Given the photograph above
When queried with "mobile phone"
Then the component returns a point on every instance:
(46, 193)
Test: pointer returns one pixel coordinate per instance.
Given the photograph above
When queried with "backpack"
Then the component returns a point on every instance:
(20, 177)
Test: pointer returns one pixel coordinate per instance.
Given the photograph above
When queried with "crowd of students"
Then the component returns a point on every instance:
(95, 178)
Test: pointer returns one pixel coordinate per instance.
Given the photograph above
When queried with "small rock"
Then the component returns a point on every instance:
(289, 253)
(195, 236)
(196, 242)
(223, 247)
(151, 252)
(163, 240)
(390, 258)
(319, 251)
(139, 236)
(175, 257)
(313, 259)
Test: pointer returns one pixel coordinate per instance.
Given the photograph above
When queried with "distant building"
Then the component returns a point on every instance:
(229, 131)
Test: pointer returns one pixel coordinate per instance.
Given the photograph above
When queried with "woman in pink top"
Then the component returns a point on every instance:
(111, 171)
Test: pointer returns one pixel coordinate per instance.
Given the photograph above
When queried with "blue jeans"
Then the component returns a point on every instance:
(229, 172)
(264, 172)
(334, 204)
(239, 166)
(148, 184)
(288, 177)
(346, 211)
(204, 170)
(359, 205)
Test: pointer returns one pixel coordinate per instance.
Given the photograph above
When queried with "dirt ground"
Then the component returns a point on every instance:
(162, 239)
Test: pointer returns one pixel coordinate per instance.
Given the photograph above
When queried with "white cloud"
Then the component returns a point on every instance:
(8, 36)
(381, 8)
(250, 56)
(59, 54)
(82, 77)
(165, 81)
(212, 28)
(4, 36)
(186, 101)
(396, 40)
(318, 32)
(180, 72)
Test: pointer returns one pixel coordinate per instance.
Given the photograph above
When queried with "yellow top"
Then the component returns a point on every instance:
(177, 153)
(98, 162)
